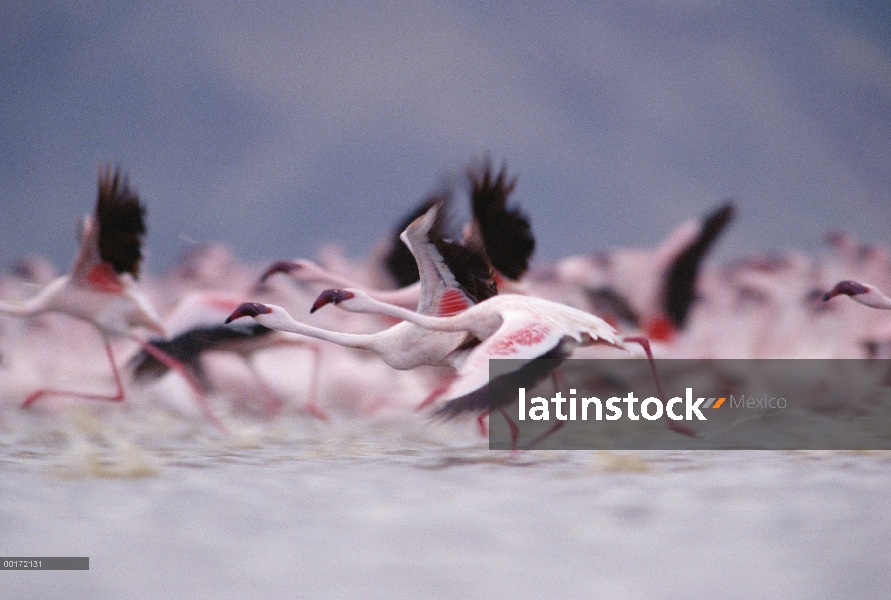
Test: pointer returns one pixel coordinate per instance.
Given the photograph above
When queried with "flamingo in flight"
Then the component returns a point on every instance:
(306, 271)
(653, 291)
(500, 233)
(508, 326)
(197, 331)
(862, 293)
(102, 289)
(405, 345)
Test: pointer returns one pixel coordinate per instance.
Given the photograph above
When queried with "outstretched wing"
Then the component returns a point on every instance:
(188, 346)
(112, 236)
(506, 233)
(680, 279)
(471, 270)
(520, 338)
(120, 218)
(399, 261)
(452, 277)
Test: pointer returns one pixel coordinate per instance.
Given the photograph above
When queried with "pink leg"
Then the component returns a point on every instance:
(432, 396)
(438, 391)
(481, 422)
(274, 403)
(180, 368)
(514, 428)
(50, 392)
(673, 425)
(312, 406)
(557, 380)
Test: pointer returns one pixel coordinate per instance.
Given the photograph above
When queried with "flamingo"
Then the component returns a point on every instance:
(652, 290)
(102, 286)
(199, 332)
(307, 271)
(499, 233)
(508, 326)
(679, 287)
(452, 277)
(399, 261)
(862, 293)
(442, 291)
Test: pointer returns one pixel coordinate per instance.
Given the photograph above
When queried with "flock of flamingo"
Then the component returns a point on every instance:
(426, 304)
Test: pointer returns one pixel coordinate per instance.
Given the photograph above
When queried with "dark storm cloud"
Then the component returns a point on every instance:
(278, 127)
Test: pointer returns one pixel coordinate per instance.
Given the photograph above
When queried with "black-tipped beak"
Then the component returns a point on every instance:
(281, 266)
(846, 288)
(249, 309)
(330, 297)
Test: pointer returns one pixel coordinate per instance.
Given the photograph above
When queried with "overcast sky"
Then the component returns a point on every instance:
(277, 126)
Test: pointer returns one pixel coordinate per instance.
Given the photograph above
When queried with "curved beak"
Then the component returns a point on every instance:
(281, 266)
(847, 288)
(330, 297)
(249, 309)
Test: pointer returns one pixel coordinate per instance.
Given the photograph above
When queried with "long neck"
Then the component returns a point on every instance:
(45, 301)
(34, 306)
(407, 297)
(874, 298)
(459, 322)
(283, 322)
(312, 273)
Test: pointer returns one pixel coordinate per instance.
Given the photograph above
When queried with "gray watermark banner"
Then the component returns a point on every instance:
(45, 563)
(705, 404)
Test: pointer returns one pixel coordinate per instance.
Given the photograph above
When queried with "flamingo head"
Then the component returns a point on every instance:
(249, 309)
(332, 297)
(846, 288)
(281, 266)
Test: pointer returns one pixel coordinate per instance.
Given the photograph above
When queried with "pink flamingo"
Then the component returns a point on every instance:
(507, 326)
(101, 288)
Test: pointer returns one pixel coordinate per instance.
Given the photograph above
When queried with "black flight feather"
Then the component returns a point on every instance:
(120, 219)
(503, 389)
(188, 346)
(680, 280)
(470, 267)
(506, 232)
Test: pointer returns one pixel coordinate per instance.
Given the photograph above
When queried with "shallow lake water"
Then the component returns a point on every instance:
(405, 508)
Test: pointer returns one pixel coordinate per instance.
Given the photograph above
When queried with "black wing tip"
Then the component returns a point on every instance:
(145, 366)
(470, 267)
(120, 217)
(489, 191)
(506, 232)
(722, 216)
(474, 402)
(115, 191)
(187, 348)
(680, 281)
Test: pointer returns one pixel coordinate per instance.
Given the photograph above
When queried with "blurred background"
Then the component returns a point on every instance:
(278, 126)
